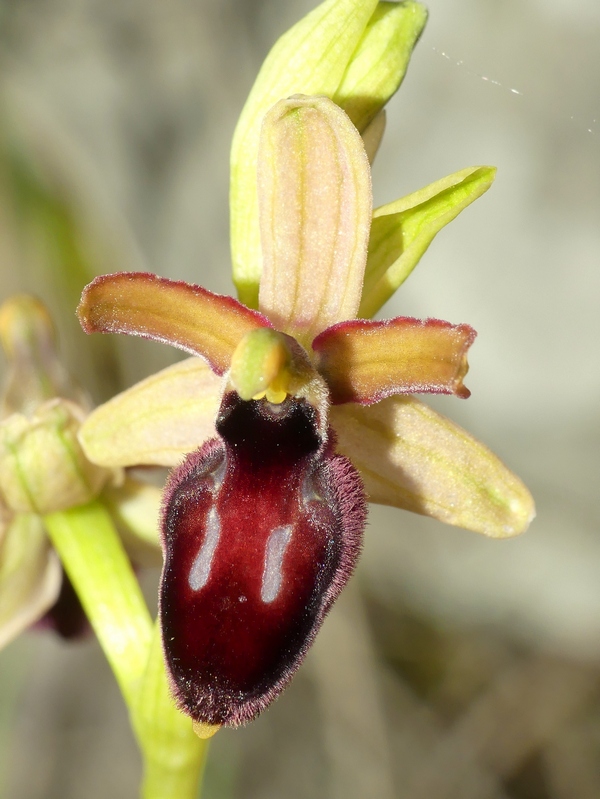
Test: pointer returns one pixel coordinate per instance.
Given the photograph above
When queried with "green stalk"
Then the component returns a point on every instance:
(95, 560)
(93, 557)
(174, 756)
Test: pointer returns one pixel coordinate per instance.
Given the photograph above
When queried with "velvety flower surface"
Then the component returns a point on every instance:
(293, 414)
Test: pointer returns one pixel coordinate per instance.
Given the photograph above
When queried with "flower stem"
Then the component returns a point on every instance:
(93, 557)
(174, 757)
(95, 560)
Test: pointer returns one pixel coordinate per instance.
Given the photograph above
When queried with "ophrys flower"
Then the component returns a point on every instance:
(262, 522)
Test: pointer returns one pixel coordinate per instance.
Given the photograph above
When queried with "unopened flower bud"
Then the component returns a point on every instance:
(35, 373)
(42, 466)
(379, 62)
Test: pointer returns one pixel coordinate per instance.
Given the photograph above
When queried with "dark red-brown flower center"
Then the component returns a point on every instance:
(261, 530)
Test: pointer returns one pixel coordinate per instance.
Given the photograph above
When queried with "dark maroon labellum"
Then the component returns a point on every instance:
(262, 527)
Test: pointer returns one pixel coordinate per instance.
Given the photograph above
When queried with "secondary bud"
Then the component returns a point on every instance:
(35, 373)
(42, 466)
(379, 63)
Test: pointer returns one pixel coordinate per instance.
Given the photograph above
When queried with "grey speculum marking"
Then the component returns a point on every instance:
(275, 550)
(310, 492)
(219, 475)
(200, 571)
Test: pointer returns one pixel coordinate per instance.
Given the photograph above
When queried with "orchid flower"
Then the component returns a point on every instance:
(292, 415)
(296, 407)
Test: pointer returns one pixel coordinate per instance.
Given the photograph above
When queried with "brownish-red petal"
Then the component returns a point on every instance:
(365, 361)
(186, 316)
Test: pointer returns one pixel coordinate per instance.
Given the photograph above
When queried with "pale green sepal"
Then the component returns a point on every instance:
(30, 574)
(95, 560)
(310, 58)
(403, 230)
(379, 64)
(411, 457)
(174, 412)
(174, 756)
(135, 509)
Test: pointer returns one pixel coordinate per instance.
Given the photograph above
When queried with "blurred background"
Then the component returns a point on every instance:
(453, 666)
